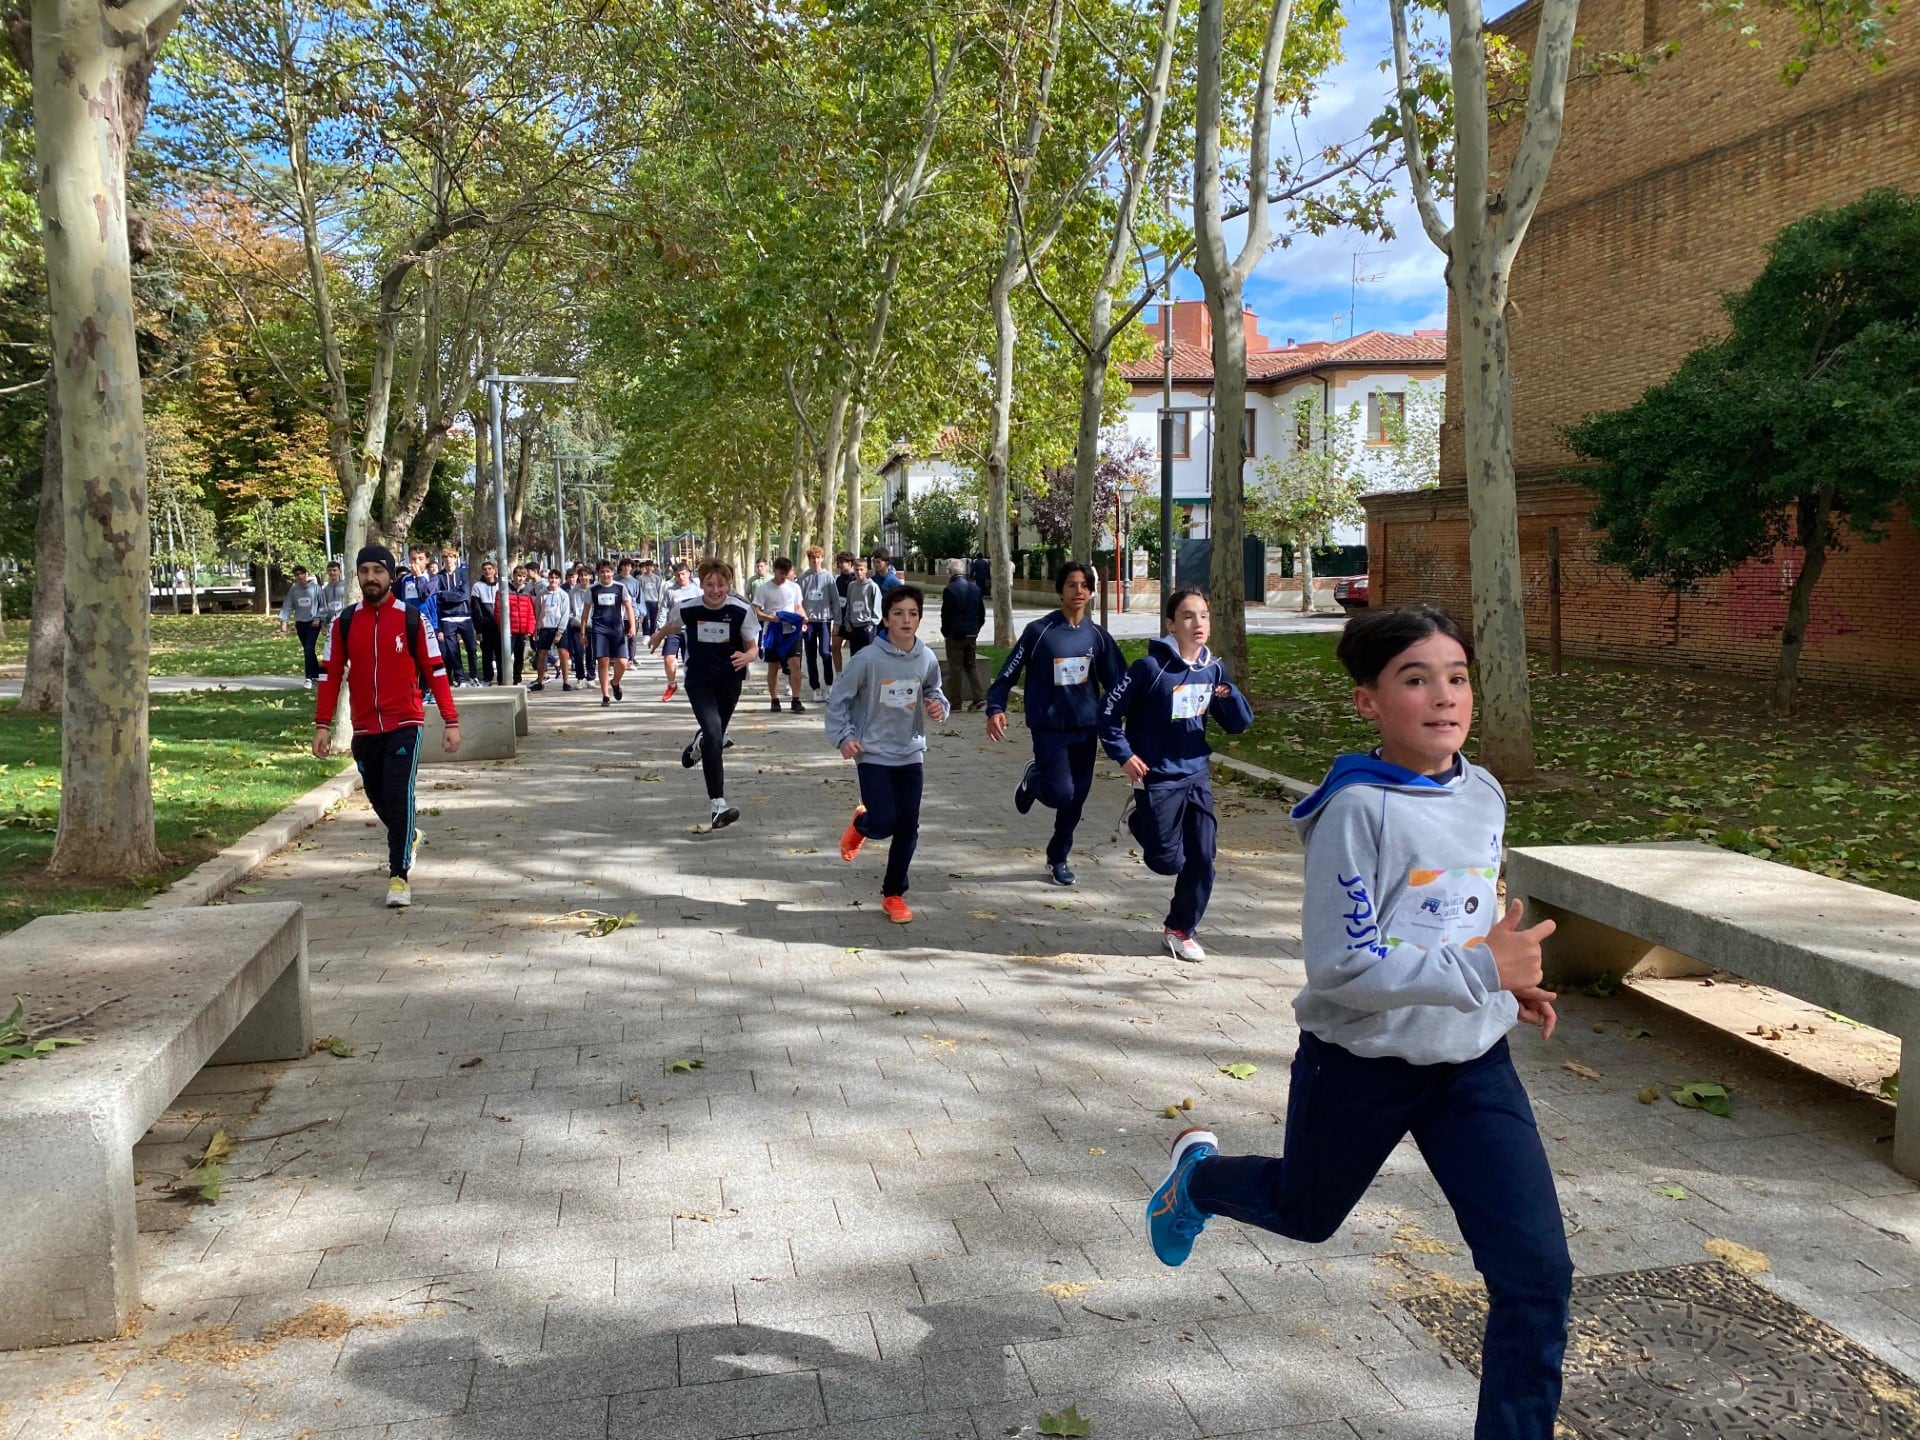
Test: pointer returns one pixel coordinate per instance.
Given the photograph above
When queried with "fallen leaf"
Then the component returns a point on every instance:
(1065, 1289)
(1095, 1150)
(983, 915)
(693, 1215)
(1890, 1086)
(686, 1067)
(248, 889)
(476, 1060)
(1704, 1095)
(1639, 1033)
(1836, 1015)
(1747, 1261)
(1068, 1422)
(1672, 1192)
(1578, 1069)
(1240, 1070)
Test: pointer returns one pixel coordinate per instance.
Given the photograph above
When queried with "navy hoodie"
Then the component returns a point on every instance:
(1159, 712)
(1070, 669)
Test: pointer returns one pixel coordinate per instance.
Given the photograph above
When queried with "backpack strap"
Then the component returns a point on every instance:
(346, 628)
(417, 644)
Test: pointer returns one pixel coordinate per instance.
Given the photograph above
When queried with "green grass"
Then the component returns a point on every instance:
(222, 763)
(220, 645)
(1650, 754)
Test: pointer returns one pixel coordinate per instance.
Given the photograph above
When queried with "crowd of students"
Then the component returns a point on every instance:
(1414, 978)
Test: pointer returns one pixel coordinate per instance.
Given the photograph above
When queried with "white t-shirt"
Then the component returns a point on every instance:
(772, 597)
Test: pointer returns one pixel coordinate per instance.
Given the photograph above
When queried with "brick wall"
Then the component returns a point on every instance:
(1861, 633)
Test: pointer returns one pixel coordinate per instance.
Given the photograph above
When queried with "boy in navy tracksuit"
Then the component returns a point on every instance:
(1414, 979)
(1071, 664)
(1155, 725)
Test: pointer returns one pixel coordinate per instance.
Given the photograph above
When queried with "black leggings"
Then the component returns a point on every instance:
(713, 702)
(388, 764)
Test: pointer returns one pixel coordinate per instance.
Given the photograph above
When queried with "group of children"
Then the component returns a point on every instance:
(1414, 978)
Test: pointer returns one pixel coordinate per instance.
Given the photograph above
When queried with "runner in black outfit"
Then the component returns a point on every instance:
(721, 639)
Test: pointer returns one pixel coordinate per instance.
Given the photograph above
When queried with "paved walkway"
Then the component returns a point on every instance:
(896, 1187)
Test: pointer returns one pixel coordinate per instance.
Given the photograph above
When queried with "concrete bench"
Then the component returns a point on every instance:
(489, 727)
(175, 990)
(1844, 947)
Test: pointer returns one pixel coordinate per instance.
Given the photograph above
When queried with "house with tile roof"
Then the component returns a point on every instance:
(1363, 380)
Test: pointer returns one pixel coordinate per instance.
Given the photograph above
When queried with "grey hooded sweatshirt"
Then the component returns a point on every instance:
(880, 699)
(1399, 899)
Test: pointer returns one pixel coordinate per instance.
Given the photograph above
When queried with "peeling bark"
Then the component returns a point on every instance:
(47, 632)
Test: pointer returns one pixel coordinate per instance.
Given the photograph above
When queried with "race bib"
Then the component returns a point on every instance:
(1446, 907)
(605, 599)
(1190, 701)
(900, 694)
(1072, 669)
(712, 632)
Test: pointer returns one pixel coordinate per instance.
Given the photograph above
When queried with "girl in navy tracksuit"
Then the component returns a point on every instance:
(1155, 725)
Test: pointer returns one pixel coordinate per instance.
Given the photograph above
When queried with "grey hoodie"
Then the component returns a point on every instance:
(1399, 899)
(880, 698)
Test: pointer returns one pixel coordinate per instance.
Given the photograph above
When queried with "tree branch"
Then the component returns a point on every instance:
(1418, 174)
(1546, 115)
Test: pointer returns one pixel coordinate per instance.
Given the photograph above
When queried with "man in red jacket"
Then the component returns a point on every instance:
(385, 653)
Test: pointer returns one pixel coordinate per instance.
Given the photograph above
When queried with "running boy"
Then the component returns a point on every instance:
(683, 593)
(1072, 663)
(556, 612)
(776, 604)
(1410, 993)
(820, 603)
(1154, 724)
(721, 642)
(610, 620)
(877, 716)
(388, 710)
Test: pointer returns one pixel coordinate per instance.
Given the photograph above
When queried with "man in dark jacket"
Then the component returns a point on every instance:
(963, 614)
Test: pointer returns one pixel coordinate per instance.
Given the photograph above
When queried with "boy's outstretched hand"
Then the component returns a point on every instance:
(1516, 952)
(1536, 1008)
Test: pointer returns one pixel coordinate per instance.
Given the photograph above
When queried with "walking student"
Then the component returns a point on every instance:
(523, 617)
(963, 615)
(777, 606)
(820, 603)
(333, 599)
(456, 620)
(877, 717)
(556, 612)
(1413, 981)
(652, 591)
(611, 620)
(420, 587)
(484, 595)
(842, 580)
(1070, 665)
(1154, 725)
(385, 654)
(862, 610)
(302, 606)
(722, 638)
(576, 646)
(683, 593)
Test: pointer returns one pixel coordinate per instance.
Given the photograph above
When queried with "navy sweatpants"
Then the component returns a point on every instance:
(1475, 1128)
(388, 763)
(892, 794)
(1174, 824)
(1063, 763)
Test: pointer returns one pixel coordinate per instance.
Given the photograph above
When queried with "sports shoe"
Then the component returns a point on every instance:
(419, 839)
(690, 756)
(776, 705)
(895, 909)
(1182, 947)
(538, 685)
(605, 700)
(795, 706)
(567, 688)
(726, 817)
(1023, 792)
(1173, 1221)
(1060, 874)
(399, 894)
(616, 693)
(306, 684)
(818, 698)
(850, 838)
(668, 693)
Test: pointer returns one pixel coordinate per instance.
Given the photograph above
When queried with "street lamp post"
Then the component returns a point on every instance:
(1122, 561)
(496, 384)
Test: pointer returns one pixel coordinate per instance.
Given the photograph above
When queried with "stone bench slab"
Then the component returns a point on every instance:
(1846, 947)
(489, 728)
(224, 985)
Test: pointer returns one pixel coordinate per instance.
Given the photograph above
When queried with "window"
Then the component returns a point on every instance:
(1386, 416)
(1182, 447)
(1246, 435)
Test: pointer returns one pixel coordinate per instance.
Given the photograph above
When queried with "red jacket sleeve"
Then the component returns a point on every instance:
(333, 673)
(437, 676)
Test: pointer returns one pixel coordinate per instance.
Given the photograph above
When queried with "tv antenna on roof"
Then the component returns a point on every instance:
(1353, 290)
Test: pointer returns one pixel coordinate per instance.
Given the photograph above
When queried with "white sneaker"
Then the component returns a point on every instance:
(399, 894)
(1182, 947)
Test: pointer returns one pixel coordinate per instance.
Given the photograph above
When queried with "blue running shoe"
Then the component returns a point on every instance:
(1023, 792)
(1173, 1221)
(1060, 874)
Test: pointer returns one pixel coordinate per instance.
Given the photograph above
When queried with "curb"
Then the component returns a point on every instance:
(1286, 784)
(207, 881)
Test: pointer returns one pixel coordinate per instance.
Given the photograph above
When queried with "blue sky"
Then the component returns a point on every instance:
(1303, 291)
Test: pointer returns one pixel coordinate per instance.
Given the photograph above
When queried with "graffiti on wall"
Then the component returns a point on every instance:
(1757, 600)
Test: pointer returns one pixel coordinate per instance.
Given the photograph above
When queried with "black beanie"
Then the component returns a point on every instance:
(376, 554)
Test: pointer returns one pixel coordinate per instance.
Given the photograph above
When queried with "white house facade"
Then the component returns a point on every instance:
(1365, 382)
(907, 476)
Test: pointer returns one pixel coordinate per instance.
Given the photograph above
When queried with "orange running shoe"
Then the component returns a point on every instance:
(850, 838)
(896, 909)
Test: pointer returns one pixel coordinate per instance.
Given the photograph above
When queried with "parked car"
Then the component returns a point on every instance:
(1350, 592)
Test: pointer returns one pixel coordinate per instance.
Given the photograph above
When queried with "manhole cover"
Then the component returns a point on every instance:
(1692, 1351)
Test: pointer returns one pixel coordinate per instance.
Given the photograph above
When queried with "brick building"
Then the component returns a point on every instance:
(1663, 196)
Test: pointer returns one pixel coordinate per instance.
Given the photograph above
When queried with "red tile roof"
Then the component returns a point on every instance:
(1380, 348)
